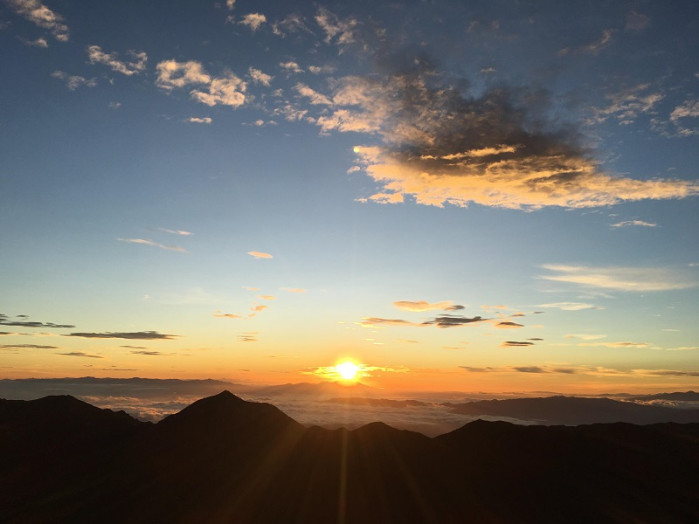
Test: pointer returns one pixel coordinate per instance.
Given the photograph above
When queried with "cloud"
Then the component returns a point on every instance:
(147, 353)
(529, 369)
(74, 81)
(258, 308)
(248, 337)
(688, 109)
(585, 336)
(259, 77)
(39, 42)
(633, 223)
(443, 145)
(179, 232)
(627, 105)
(569, 306)
(294, 289)
(615, 344)
(253, 20)
(377, 321)
(267, 297)
(42, 16)
(508, 324)
(230, 4)
(5, 321)
(136, 65)
(199, 120)
(218, 314)
(422, 305)
(259, 254)
(447, 321)
(340, 32)
(620, 278)
(291, 67)
(224, 90)
(636, 22)
(138, 335)
(26, 346)
(516, 344)
(80, 354)
(151, 243)
(314, 97)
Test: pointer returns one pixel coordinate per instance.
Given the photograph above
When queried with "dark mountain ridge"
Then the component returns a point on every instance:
(575, 411)
(223, 459)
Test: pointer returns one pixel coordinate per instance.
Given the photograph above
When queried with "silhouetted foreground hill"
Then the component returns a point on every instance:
(576, 410)
(226, 460)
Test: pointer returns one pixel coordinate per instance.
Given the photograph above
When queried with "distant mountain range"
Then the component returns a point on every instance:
(576, 410)
(223, 459)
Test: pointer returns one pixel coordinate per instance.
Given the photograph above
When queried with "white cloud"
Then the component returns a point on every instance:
(230, 4)
(620, 278)
(39, 14)
(200, 120)
(179, 232)
(151, 243)
(134, 66)
(570, 306)
(74, 81)
(228, 90)
(39, 42)
(259, 77)
(633, 223)
(253, 20)
(172, 74)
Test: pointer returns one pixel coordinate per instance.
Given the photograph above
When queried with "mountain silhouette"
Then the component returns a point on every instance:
(223, 459)
(575, 411)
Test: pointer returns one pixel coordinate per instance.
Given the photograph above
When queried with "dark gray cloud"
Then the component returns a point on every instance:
(479, 370)
(447, 321)
(5, 321)
(79, 354)
(516, 344)
(134, 347)
(537, 339)
(455, 307)
(508, 324)
(530, 369)
(27, 346)
(148, 353)
(138, 335)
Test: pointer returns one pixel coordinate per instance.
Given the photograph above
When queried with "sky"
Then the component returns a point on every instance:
(456, 196)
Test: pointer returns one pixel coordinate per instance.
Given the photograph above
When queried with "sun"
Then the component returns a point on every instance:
(347, 370)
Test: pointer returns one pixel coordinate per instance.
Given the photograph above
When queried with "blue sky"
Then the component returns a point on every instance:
(485, 195)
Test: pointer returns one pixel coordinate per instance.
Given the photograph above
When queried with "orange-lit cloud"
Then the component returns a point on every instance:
(218, 314)
(259, 254)
(422, 305)
(294, 289)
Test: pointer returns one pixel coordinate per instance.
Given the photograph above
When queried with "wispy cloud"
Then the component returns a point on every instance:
(570, 306)
(73, 82)
(137, 63)
(592, 48)
(448, 321)
(294, 289)
(422, 305)
(337, 31)
(633, 223)
(516, 344)
(137, 335)
(80, 354)
(219, 314)
(290, 67)
(39, 42)
(37, 13)
(5, 321)
(620, 278)
(259, 254)
(26, 346)
(145, 242)
(508, 325)
(180, 232)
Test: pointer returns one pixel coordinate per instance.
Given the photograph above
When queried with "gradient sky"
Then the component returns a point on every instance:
(472, 196)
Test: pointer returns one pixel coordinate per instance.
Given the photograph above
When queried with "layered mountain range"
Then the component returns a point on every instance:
(223, 459)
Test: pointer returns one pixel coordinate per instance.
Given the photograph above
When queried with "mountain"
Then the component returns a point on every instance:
(575, 411)
(223, 459)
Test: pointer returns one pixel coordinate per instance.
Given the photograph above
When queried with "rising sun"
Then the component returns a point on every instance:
(347, 370)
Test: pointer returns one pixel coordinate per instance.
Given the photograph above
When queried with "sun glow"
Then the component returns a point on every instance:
(347, 370)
